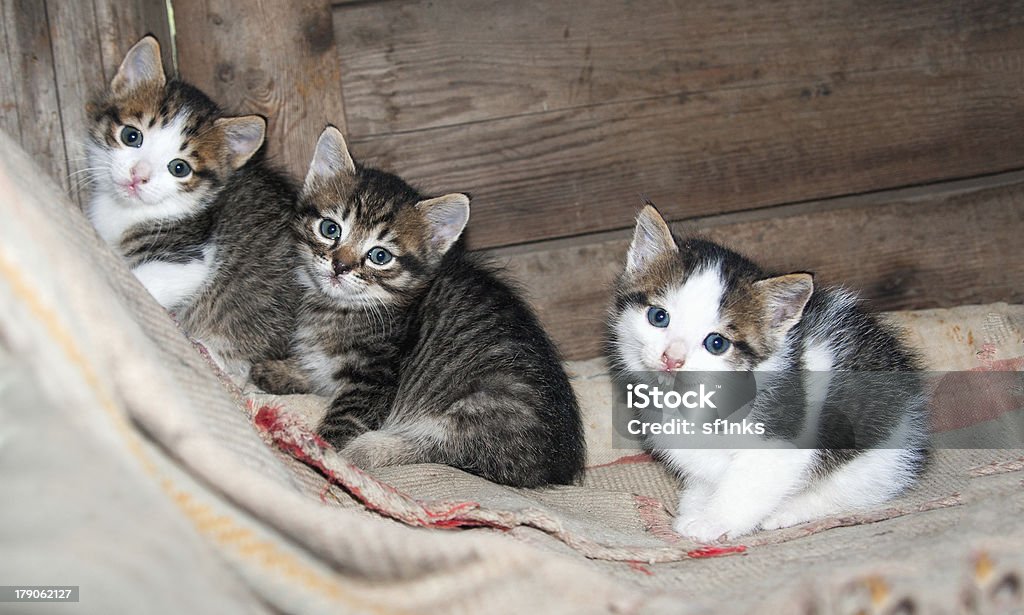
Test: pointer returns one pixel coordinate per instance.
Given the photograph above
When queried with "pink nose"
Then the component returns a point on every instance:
(670, 363)
(140, 174)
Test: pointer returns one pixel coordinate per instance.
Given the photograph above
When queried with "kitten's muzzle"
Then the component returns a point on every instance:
(139, 175)
(670, 363)
(341, 267)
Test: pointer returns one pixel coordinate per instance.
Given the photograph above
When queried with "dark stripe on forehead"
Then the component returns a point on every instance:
(305, 208)
(631, 299)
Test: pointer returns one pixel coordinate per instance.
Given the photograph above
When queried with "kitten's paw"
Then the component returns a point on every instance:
(376, 449)
(797, 511)
(701, 530)
(783, 518)
(278, 377)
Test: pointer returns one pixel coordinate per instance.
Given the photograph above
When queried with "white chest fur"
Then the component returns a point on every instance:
(112, 216)
(175, 284)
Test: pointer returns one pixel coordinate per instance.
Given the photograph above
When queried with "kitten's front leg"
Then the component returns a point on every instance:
(377, 449)
(281, 377)
(358, 408)
(693, 499)
(755, 484)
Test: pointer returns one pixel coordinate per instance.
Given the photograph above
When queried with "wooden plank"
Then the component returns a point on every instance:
(276, 58)
(78, 64)
(121, 23)
(578, 171)
(934, 247)
(801, 102)
(420, 64)
(89, 42)
(9, 120)
(34, 87)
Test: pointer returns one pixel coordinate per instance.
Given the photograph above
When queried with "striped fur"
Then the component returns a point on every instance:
(431, 358)
(211, 246)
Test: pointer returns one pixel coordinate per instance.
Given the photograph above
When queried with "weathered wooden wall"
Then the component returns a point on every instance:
(56, 56)
(275, 58)
(877, 143)
(557, 113)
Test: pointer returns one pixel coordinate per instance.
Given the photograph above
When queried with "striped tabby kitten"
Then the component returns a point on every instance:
(692, 305)
(179, 190)
(429, 356)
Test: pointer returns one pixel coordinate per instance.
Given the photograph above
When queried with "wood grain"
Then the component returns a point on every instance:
(421, 64)
(799, 103)
(929, 247)
(120, 24)
(275, 58)
(9, 121)
(55, 55)
(89, 40)
(34, 91)
(78, 64)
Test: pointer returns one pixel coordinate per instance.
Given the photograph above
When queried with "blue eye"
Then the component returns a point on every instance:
(379, 256)
(179, 168)
(131, 136)
(716, 344)
(330, 229)
(657, 316)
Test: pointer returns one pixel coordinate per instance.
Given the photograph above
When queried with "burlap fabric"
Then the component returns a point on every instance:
(129, 468)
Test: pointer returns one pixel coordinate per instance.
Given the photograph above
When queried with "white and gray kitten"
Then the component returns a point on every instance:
(692, 305)
(180, 190)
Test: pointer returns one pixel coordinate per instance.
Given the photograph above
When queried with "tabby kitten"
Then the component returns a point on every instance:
(692, 305)
(181, 192)
(428, 355)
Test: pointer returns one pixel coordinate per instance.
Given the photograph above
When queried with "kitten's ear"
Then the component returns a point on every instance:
(244, 136)
(651, 239)
(331, 157)
(447, 217)
(141, 65)
(785, 298)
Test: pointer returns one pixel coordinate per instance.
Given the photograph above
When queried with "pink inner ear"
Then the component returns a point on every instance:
(245, 139)
(141, 65)
(787, 299)
(448, 224)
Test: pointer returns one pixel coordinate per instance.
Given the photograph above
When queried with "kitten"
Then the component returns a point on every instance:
(692, 305)
(181, 192)
(429, 356)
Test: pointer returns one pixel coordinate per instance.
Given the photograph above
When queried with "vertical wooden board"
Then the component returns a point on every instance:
(35, 88)
(89, 42)
(120, 24)
(275, 58)
(937, 248)
(9, 121)
(419, 64)
(78, 65)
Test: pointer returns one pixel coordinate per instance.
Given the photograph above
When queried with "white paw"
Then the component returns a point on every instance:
(781, 519)
(701, 530)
